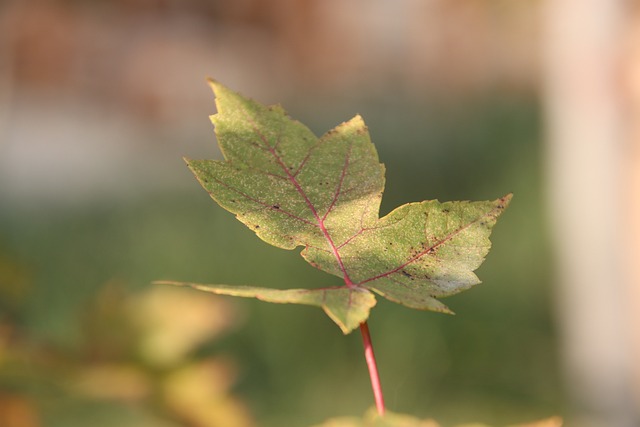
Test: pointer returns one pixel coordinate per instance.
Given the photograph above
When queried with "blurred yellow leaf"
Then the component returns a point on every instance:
(549, 422)
(112, 381)
(372, 419)
(198, 394)
(341, 422)
(174, 321)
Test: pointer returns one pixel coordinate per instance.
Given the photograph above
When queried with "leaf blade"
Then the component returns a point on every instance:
(348, 308)
(442, 262)
(294, 189)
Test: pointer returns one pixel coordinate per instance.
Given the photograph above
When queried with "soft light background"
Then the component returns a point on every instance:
(467, 99)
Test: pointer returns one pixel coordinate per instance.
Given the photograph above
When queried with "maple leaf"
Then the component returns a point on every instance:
(294, 189)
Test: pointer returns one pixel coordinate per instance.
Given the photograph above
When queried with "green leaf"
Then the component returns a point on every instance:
(348, 307)
(323, 194)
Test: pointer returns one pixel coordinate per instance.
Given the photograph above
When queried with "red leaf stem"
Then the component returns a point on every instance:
(373, 368)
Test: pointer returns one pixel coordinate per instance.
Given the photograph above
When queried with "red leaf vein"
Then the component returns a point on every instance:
(338, 189)
(292, 178)
(426, 251)
(260, 202)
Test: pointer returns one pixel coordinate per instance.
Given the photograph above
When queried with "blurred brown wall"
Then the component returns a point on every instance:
(151, 56)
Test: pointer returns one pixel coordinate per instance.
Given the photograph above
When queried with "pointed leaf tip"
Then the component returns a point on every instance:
(213, 83)
(506, 201)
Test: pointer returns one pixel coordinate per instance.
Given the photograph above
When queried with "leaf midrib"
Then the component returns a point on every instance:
(319, 220)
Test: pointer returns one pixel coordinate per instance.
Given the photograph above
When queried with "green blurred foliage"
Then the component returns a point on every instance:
(134, 362)
(69, 277)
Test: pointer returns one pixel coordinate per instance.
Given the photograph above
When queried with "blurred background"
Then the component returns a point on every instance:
(465, 99)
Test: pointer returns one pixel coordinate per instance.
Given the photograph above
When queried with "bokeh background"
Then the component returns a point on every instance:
(464, 99)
